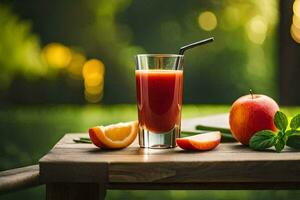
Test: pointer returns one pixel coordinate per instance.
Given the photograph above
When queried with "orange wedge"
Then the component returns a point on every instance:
(115, 136)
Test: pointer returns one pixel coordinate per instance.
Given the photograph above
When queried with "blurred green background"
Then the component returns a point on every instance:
(68, 65)
(56, 52)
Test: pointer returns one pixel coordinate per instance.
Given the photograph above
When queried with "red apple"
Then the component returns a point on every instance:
(203, 142)
(252, 113)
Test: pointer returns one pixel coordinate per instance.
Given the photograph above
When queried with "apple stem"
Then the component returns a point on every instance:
(251, 93)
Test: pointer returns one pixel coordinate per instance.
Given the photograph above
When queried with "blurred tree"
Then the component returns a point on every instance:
(19, 49)
(91, 26)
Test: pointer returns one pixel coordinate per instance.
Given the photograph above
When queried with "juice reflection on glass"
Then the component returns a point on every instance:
(159, 97)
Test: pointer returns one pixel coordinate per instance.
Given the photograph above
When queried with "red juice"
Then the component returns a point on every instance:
(159, 95)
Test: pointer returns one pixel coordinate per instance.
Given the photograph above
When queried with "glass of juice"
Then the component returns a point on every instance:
(159, 80)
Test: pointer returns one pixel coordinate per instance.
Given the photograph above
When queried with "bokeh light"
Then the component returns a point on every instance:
(57, 55)
(207, 21)
(93, 79)
(75, 66)
(93, 75)
(295, 33)
(257, 30)
(296, 21)
(296, 8)
(91, 98)
(295, 27)
(93, 90)
(93, 66)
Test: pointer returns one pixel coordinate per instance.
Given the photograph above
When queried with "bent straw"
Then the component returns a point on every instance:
(190, 46)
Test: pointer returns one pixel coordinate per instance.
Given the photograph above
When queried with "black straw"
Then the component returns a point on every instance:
(189, 46)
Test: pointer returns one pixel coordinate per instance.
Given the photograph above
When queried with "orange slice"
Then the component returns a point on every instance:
(115, 136)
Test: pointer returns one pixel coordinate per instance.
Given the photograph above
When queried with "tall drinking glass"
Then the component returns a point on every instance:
(159, 80)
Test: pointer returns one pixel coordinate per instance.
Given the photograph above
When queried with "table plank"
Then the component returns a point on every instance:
(229, 163)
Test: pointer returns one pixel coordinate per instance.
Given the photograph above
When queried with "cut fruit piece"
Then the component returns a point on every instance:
(115, 136)
(203, 141)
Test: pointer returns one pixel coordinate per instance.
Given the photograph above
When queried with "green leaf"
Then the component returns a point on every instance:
(85, 138)
(226, 137)
(262, 140)
(294, 141)
(295, 122)
(279, 146)
(280, 120)
(280, 134)
(291, 132)
(82, 141)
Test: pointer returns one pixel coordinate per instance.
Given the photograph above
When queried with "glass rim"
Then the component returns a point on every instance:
(160, 55)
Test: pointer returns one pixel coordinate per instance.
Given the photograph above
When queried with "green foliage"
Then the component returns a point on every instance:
(281, 121)
(294, 141)
(295, 122)
(280, 143)
(262, 140)
(19, 48)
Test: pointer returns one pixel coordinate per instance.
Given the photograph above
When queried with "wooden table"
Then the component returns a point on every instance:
(82, 171)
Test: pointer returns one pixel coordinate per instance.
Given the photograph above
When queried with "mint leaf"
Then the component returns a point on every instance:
(262, 140)
(280, 134)
(291, 132)
(295, 122)
(294, 141)
(279, 146)
(280, 120)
